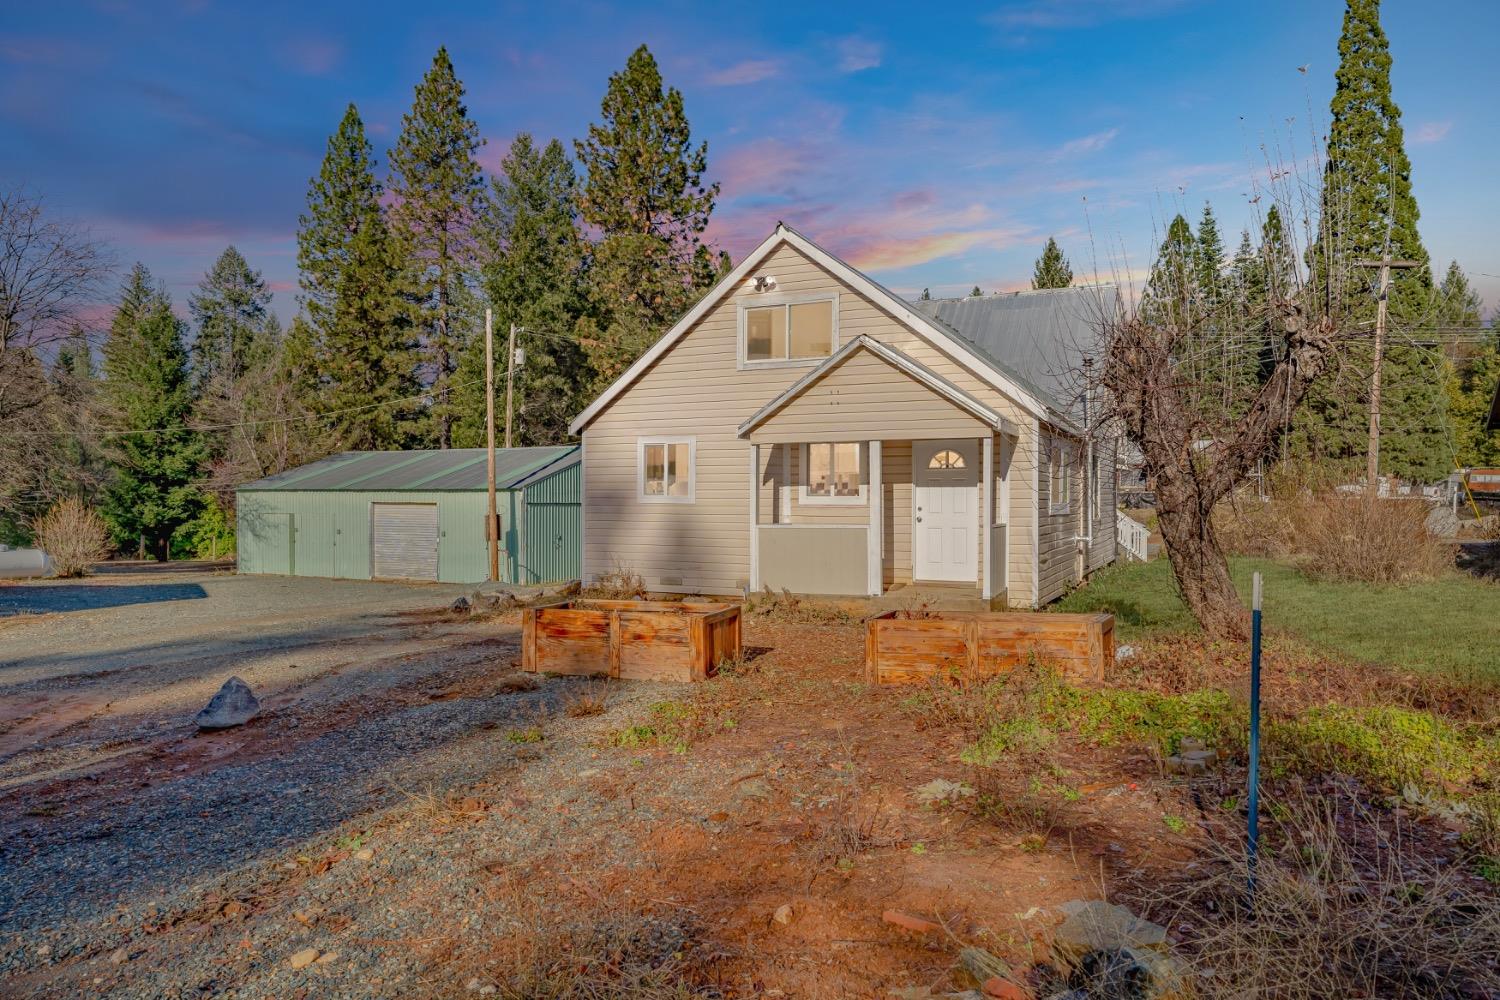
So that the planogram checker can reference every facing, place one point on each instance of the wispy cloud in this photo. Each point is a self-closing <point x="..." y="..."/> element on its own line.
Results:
<point x="741" y="73"/>
<point x="765" y="166"/>
<point x="1064" y="14"/>
<point x="1085" y="144"/>
<point x="1431" y="132"/>
<point x="857" y="53"/>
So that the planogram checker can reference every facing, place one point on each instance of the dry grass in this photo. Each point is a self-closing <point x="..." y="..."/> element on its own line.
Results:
<point x="585" y="702"/>
<point x="73" y="536"/>
<point x="593" y="948"/>
<point x="446" y="806"/>
<point x="1335" y="535"/>
<point x="790" y="609"/>
<point x="1346" y="905"/>
<point x="619" y="584"/>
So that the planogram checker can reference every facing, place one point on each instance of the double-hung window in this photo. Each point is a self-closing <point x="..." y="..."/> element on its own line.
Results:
<point x="789" y="331"/>
<point x="665" y="468"/>
<point x="1061" y="480"/>
<point x="831" y="473"/>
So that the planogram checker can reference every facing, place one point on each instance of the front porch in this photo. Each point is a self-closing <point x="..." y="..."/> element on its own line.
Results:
<point x="872" y="476"/>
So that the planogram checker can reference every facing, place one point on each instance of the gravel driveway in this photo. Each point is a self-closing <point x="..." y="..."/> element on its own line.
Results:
<point x="107" y="787"/>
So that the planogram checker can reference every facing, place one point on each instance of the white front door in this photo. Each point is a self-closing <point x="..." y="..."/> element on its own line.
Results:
<point x="945" y="510"/>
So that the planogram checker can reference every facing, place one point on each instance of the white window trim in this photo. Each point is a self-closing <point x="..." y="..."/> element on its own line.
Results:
<point x="640" y="469"/>
<point x="786" y="300"/>
<point x="1063" y="455"/>
<point x="812" y="499"/>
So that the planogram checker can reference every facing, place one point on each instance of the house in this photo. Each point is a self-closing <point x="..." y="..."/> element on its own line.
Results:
<point x="802" y="427"/>
<point x="415" y="515"/>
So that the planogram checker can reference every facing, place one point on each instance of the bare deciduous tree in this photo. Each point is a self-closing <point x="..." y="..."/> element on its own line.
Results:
<point x="1202" y="435"/>
<point x="48" y="268"/>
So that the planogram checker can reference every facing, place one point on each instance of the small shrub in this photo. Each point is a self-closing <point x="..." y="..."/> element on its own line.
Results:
<point x="73" y="536"/>
<point x="788" y="607"/>
<point x="586" y="702"/>
<point x="619" y="584"/>
<point x="1335" y="535"/>
<point x="531" y="734"/>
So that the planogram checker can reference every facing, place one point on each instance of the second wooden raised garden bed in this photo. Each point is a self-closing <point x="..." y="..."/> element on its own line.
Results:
<point x="634" y="640"/>
<point x="904" y="649"/>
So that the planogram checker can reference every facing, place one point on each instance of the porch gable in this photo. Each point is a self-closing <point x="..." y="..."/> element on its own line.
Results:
<point x="869" y="391"/>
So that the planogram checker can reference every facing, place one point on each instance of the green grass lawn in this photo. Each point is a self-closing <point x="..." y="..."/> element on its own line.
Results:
<point x="1451" y="625"/>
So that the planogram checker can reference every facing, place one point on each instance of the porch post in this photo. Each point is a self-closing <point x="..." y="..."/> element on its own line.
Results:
<point x="987" y="515"/>
<point x="754" y="518"/>
<point x="873" y="558"/>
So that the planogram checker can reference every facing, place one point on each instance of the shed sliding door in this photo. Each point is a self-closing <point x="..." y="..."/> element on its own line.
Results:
<point x="404" y="541"/>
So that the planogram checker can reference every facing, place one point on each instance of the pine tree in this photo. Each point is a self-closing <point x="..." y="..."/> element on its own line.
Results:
<point x="1473" y="369"/>
<point x="352" y="279"/>
<point x="230" y="308"/>
<point x="975" y="293"/>
<point x="1171" y="292"/>
<point x="1052" y="269"/>
<point x="926" y="295"/>
<point x="438" y="194"/>
<point x="645" y="195"/>
<point x="148" y="389"/>
<point x="1208" y="254"/>
<point x="1368" y="210"/>
<point x="532" y="277"/>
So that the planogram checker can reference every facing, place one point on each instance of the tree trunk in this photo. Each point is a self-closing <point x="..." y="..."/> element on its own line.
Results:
<point x="1202" y="572"/>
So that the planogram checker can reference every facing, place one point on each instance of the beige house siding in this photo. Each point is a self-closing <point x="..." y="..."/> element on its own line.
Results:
<point x="1102" y="550"/>
<point x="866" y="398"/>
<point x="1058" y="564"/>
<point x="697" y="389"/>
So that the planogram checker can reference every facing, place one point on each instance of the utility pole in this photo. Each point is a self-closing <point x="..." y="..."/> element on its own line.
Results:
<point x="1382" y="312"/>
<point x="492" y="529"/>
<point x="510" y="379"/>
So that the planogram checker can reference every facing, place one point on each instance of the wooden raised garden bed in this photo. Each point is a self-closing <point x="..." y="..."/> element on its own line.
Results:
<point x="978" y="644"/>
<point x="635" y="640"/>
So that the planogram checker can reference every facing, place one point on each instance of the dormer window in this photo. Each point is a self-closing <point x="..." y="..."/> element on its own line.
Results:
<point x="788" y="331"/>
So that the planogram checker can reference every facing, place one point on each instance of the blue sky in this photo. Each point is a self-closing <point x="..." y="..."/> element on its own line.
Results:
<point x="937" y="149"/>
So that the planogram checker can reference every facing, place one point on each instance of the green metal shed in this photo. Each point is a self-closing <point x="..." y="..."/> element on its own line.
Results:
<point x="416" y="515"/>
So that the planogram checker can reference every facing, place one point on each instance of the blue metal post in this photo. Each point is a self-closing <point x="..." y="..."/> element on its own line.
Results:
<point x="1254" y="803"/>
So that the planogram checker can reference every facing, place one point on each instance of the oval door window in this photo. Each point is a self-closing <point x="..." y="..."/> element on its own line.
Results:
<point x="946" y="459"/>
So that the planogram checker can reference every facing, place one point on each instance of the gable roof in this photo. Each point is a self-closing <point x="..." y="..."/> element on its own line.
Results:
<point x="915" y="369"/>
<point x="993" y="371"/>
<point x="461" y="469"/>
<point x="1043" y="336"/>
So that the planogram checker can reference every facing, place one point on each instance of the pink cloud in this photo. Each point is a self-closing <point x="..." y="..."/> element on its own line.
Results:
<point x="749" y="71"/>
<point x="757" y="167"/>
<point x="312" y="56"/>
<point x="1429" y="132"/>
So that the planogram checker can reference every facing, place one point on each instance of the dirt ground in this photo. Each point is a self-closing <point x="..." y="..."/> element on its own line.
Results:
<point x="425" y="825"/>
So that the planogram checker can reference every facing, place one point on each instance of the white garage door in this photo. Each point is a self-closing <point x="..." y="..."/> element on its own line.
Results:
<point x="404" y="541"/>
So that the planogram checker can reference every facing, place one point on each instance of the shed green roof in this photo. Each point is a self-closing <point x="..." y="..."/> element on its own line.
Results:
<point x="460" y="469"/>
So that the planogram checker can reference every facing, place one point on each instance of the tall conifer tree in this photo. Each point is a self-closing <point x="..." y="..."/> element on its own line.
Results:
<point x="1368" y="210"/>
<point x="532" y="276"/>
<point x="230" y="308"/>
<point x="1052" y="269"/>
<point x="438" y="198"/>
<point x="645" y="194"/>
<point x="1208" y="252"/>
<point x="352" y="279"/>
<point x="148" y="390"/>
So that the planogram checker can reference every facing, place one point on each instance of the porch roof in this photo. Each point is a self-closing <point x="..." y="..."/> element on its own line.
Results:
<point x="868" y="390"/>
